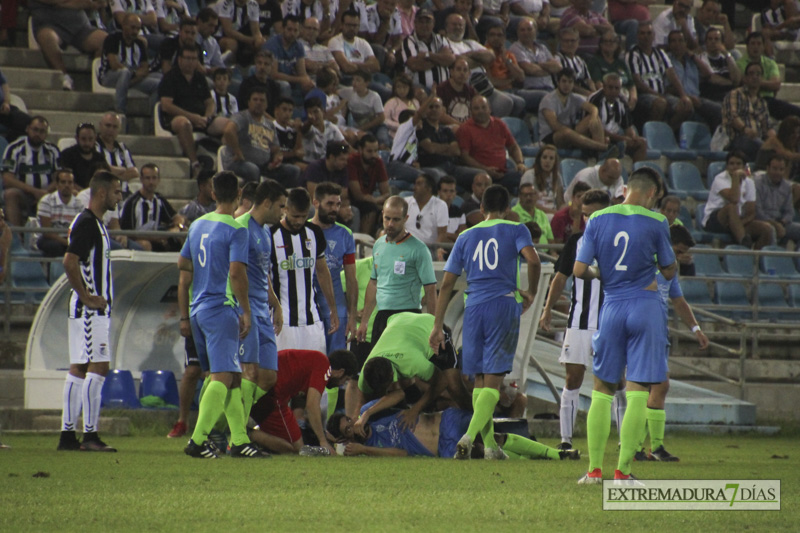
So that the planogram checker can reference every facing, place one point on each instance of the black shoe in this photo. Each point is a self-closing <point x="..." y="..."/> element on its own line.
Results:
<point x="249" y="450"/>
<point x="68" y="442"/>
<point x="573" y="455"/>
<point x="95" y="445"/>
<point x="564" y="446"/>
<point x="201" y="451"/>
<point x="641" y="456"/>
<point x="660" y="454"/>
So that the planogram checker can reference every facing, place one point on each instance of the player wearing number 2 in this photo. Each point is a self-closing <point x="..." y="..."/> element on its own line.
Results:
<point x="630" y="243"/>
<point x="489" y="253"/>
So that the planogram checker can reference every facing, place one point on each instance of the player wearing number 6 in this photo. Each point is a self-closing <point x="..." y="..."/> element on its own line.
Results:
<point x="625" y="239"/>
<point x="489" y="253"/>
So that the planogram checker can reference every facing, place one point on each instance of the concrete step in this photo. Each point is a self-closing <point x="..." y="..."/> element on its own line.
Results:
<point x="56" y="100"/>
<point x="790" y="92"/>
<point x="20" y="78"/>
<point x="178" y="188"/>
<point x="139" y="145"/>
<point x="65" y="121"/>
<point x="118" y="426"/>
<point x="171" y="167"/>
<point x="23" y="57"/>
<point x="178" y="203"/>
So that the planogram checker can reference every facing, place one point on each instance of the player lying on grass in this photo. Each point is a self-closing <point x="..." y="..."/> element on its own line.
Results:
<point x="386" y="435"/>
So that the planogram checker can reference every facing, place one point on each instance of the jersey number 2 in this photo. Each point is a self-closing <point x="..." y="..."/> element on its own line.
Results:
<point x="620" y="236"/>
<point x="482" y="254"/>
<point x="202" y="257"/>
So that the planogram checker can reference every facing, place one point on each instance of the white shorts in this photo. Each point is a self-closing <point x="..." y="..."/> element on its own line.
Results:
<point x="310" y="337"/>
<point x="577" y="348"/>
<point x="88" y="340"/>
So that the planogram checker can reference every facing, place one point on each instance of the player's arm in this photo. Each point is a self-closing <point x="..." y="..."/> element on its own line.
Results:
<point x="355" y="448"/>
<point x="325" y="282"/>
<point x="586" y="272"/>
<point x="394" y="396"/>
<point x="186" y="275"/>
<point x="669" y="271"/>
<point x="366" y="312"/>
<point x="238" y="274"/>
<point x="534" y="273"/>
<point x="684" y="312"/>
<point x="430" y="297"/>
<point x="315" y="418"/>
<point x="437" y="335"/>
<point x="351" y="295"/>
<point x="556" y="288"/>
<point x="275" y="304"/>
<point x="436" y="386"/>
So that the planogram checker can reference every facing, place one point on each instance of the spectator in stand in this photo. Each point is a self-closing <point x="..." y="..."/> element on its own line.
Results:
<point x="745" y="114"/>
<point x="116" y="154"/>
<point x="456" y="94"/>
<point x="241" y="34"/>
<point x="148" y="210"/>
<point x="262" y="76"/>
<point x="437" y="147"/>
<point x="317" y="55"/>
<point x="169" y="14"/>
<point x="527" y="211"/>
<point x="29" y="164"/>
<point x="207" y="22"/>
<point x="366" y="108"/>
<point x="709" y="17"/>
<point x="690" y="69"/>
<point x="724" y="73"/>
<point x="456" y="221"/>
<point x="545" y="176"/>
<point x="465" y="9"/>
<point x="472" y="205"/>
<point x="317" y="132"/>
<point x="187" y="106"/>
<point x="567" y="120"/>
<point x="57" y="210"/>
<point x="770" y="77"/>
<point x="608" y="59"/>
<point x="590" y="24"/>
<point x="382" y="27"/>
<point x="407" y="10"/>
<point x="225" y="103"/>
<point x="124" y="64"/>
<point x="270" y="16"/>
<point x="329" y="168"/>
<point x="504" y="73"/>
<point x="204" y="201"/>
<point x="780" y="21"/>
<point x="785" y="143"/>
<point x="11" y="117"/>
<point x="427" y="215"/>
<point x="402" y="99"/>
<point x="350" y="51"/>
<point x="671" y="208"/>
<point x="615" y="116"/>
<point x="652" y="72"/>
<point x="290" y="63"/>
<point x="168" y="51"/>
<point x="536" y="61"/>
<point x="606" y="176"/>
<point x="569" y="219"/>
<point x="403" y="165"/>
<point x="425" y="55"/>
<point x="251" y="145"/>
<point x="333" y="107"/>
<point x="82" y="157"/>
<point x="626" y="15"/>
<point x="774" y="201"/>
<point x="367" y="174"/>
<point x="56" y="26"/>
<point x="567" y="56"/>
<point x="146" y="11"/>
<point x="538" y="10"/>
<point x="324" y="11"/>
<point x="287" y="132"/>
<point x="483" y="140"/>
<point x="731" y="206"/>
<point x="677" y="17"/>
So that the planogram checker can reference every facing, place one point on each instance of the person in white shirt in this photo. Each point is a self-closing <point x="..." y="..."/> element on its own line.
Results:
<point x="676" y="17"/>
<point x="57" y="210"/>
<point x="427" y="215"/>
<point x="607" y="177"/>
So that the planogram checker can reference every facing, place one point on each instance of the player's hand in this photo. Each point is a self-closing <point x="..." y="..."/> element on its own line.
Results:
<point x="186" y="329"/>
<point x="358" y="427"/>
<point x="334" y="322"/>
<point x="350" y="329"/>
<point x="330" y="448"/>
<point x="92" y="301"/>
<point x="361" y="332"/>
<point x="408" y="419"/>
<point x="277" y="319"/>
<point x="527" y="299"/>
<point x="354" y="448"/>
<point x="702" y="340"/>
<point x="544" y="321"/>
<point x="436" y="340"/>
<point x="244" y="325"/>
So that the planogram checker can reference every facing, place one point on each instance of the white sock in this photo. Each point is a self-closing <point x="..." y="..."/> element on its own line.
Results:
<point x="569" y="411"/>
<point x="71" y="405"/>
<point x="92" y="390"/>
<point x="619" y="405"/>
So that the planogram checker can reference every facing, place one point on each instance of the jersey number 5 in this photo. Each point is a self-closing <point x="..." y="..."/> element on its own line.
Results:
<point x="482" y="254"/>
<point x="622" y="235"/>
<point x="202" y="257"/>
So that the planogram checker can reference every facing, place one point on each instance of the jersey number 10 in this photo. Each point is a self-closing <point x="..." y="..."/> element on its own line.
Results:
<point x="482" y="253"/>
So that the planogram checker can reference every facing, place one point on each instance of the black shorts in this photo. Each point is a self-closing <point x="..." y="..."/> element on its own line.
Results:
<point x="713" y="224"/>
<point x="448" y="357"/>
<point x="191" y="352"/>
<point x="381" y="317"/>
<point x="361" y="351"/>
<point x="366" y="207"/>
<point x="71" y="25"/>
<point x="548" y="139"/>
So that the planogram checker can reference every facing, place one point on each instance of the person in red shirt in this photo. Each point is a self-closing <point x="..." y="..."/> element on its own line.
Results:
<point x="301" y="371"/>
<point x="483" y="140"/>
<point x="366" y="172"/>
<point x="569" y="219"/>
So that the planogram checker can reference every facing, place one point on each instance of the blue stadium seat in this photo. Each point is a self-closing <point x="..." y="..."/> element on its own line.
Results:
<point x="529" y="161"/>
<point x="660" y="138"/>
<point x="522" y="135"/>
<point x="56" y="269"/>
<point x="771" y="295"/>
<point x="703" y="236"/>
<point x="794" y="294"/>
<point x="650" y="164"/>
<point x="731" y="293"/>
<point x="698" y="138"/>
<point x="781" y="267"/>
<point x="738" y="265"/>
<point x="119" y="391"/>
<point x="159" y="383"/>
<point x="687" y="181"/>
<point x="696" y="292"/>
<point x="570" y="167"/>
<point x="707" y="264"/>
<point x="25" y="275"/>
<point x="685" y="216"/>
<point x="713" y="169"/>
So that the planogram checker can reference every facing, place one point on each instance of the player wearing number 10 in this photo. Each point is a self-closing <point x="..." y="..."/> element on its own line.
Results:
<point x="489" y="253"/>
<point x="624" y="239"/>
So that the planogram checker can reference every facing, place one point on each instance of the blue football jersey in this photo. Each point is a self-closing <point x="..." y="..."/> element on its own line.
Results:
<point x="214" y="242"/>
<point x="668" y="289"/>
<point x="489" y="253"/>
<point x="340" y="243"/>
<point x="627" y="241"/>
<point x="258" y="265"/>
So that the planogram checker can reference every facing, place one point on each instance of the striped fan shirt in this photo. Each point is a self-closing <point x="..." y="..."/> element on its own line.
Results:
<point x="412" y="47"/>
<point x="614" y="116"/>
<point x="652" y="67"/>
<point x="148" y="215"/>
<point x="294" y="261"/>
<point x="226" y="104"/>
<point x="130" y="55"/>
<point x="117" y="156"/>
<point x="34" y="166"/>
<point x="89" y="240"/>
<point x="578" y="66"/>
<point x="140" y="7"/>
<point x="587" y="296"/>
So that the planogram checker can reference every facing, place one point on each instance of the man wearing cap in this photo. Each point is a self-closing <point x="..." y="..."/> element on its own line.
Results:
<point x="426" y="56"/>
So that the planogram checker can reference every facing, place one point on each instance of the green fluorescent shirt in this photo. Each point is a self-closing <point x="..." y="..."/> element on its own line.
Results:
<point x="540" y="217"/>
<point x="401" y="270"/>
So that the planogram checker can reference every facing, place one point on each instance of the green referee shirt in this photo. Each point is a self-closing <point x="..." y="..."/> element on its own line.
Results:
<point x="540" y="217"/>
<point x="401" y="269"/>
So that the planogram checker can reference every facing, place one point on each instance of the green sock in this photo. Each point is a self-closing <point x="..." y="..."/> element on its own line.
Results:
<point x="632" y="424"/>
<point x="234" y="412"/>
<point x="528" y="448"/>
<point x="487" y="433"/>
<point x="642" y="438"/>
<point x="248" y="396"/>
<point x="598" y="427"/>
<point x="212" y="405"/>
<point x="333" y="398"/>
<point x="259" y="394"/>
<point x="206" y="381"/>
<point x="476" y="392"/>
<point x="484" y="408"/>
<point x="656" y="419"/>
<point x="512" y="455"/>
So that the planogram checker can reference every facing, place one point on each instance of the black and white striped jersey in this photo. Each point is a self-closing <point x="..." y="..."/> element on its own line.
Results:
<point x="578" y="66"/>
<point x="614" y="115"/>
<point x="293" y="269"/>
<point x="131" y="56"/>
<point x="33" y="165"/>
<point x="587" y="296"/>
<point x="413" y="47"/>
<point x="652" y="67"/>
<point x="118" y="156"/>
<point x="89" y="240"/>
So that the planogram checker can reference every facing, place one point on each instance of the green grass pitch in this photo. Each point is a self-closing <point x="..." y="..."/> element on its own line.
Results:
<point x="151" y="486"/>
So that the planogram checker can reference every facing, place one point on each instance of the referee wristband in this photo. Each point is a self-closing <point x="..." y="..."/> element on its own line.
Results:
<point x="695" y="328"/>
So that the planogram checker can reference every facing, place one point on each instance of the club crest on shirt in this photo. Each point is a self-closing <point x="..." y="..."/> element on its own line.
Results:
<point x="331" y="245"/>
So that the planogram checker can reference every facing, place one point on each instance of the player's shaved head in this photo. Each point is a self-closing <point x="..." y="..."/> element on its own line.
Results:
<point x="396" y="202"/>
<point x="226" y="187"/>
<point x="644" y="180"/>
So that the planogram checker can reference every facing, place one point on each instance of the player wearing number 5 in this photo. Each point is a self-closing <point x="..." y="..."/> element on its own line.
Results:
<point x="213" y="262"/>
<point x="630" y="243"/>
<point x="489" y="253"/>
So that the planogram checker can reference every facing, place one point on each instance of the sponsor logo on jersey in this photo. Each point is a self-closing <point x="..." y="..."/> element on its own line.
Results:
<point x="293" y="262"/>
